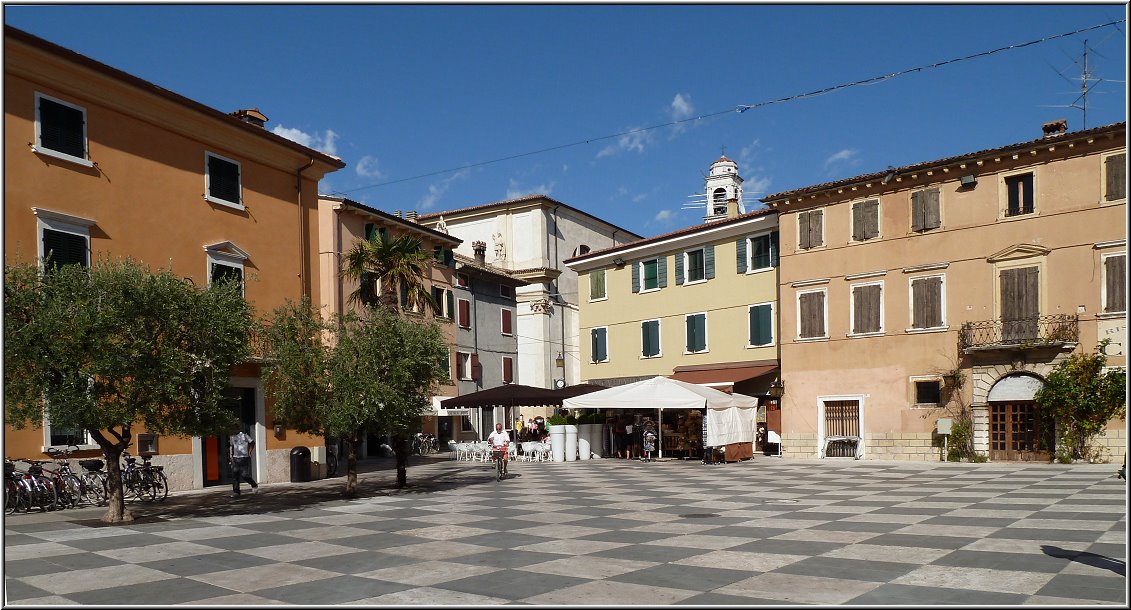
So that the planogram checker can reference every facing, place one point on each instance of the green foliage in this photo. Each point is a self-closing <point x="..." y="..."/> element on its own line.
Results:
<point x="116" y="346"/>
<point x="397" y="263"/>
<point x="557" y="420"/>
<point x="353" y="374"/>
<point x="1081" y="398"/>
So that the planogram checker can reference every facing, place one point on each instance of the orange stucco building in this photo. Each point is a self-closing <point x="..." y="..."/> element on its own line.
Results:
<point x="996" y="264"/>
<point x="100" y="164"/>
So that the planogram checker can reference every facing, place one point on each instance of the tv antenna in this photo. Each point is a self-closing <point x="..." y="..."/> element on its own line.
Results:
<point x="1088" y="81"/>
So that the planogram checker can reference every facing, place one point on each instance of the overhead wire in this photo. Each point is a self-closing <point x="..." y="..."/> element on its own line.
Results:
<point x="741" y="108"/>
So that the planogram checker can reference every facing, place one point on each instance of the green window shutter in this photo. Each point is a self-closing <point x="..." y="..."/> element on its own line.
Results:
<point x="370" y="231"/>
<point x="404" y="294"/>
<point x="774" y="249"/>
<point x="679" y="268"/>
<point x="662" y="271"/>
<point x="691" y="343"/>
<point x="61" y="248"/>
<point x="709" y="261"/>
<point x="761" y="331"/>
<point x="696" y="333"/>
<point x="740" y="249"/>
<point x="650" y="338"/>
<point x="600" y="351"/>
<point x="383" y="233"/>
<point x="636" y="277"/>
<point x="451" y="304"/>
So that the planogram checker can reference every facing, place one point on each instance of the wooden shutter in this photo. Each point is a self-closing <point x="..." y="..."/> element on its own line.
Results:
<point x="476" y="368"/>
<point x="1019" y="303"/>
<point x="926" y="301"/>
<point x="1116" y="267"/>
<point x="774" y="249"/>
<point x="803" y="231"/>
<point x="60" y="248"/>
<point x="438" y="297"/>
<point x="858" y="231"/>
<point x="740" y="248"/>
<point x="464" y="313"/>
<point x="597" y="284"/>
<point x="679" y="268"/>
<point x="931" y="209"/>
<point x="461" y="373"/>
<point x="61" y="128"/>
<point x="871" y="210"/>
<point x="761" y="333"/>
<point x="709" y="261"/>
<point x="812" y="305"/>
<point x="1116" y="173"/>
<point x="816" y="226"/>
<point x="223" y="179"/>
<point x="451" y="304"/>
<point x="866" y="309"/>
<point x="918" y="211"/>
<point x="696" y="333"/>
<point x="508" y="369"/>
<point x="662" y="272"/>
<point x="636" y="277"/>
<point x="507" y="330"/>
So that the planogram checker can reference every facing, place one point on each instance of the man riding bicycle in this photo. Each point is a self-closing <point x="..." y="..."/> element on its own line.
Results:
<point x="500" y="441"/>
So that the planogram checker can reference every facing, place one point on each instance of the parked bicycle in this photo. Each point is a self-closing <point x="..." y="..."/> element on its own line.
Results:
<point x="137" y="480"/>
<point x="95" y="481"/>
<point x="331" y="461"/>
<point x="30" y="487"/>
<point x="424" y="443"/>
<point x="71" y="488"/>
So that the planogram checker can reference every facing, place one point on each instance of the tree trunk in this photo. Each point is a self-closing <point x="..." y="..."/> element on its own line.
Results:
<point x="116" y="499"/>
<point x="352" y="441"/>
<point x="400" y="448"/>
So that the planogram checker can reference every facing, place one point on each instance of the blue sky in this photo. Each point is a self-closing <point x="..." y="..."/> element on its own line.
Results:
<point x="405" y="91"/>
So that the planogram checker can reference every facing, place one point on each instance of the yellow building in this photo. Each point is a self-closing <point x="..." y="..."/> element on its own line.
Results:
<point x="101" y="164"/>
<point x="698" y="304"/>
<point x="995" y="265"/>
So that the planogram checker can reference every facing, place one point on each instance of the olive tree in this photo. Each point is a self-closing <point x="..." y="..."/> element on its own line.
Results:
<point x="354" y="374"/>
<point x="115" y="347"/>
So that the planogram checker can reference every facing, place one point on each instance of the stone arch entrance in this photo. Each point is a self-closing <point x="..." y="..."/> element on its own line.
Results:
<point x="1016" y="432"/>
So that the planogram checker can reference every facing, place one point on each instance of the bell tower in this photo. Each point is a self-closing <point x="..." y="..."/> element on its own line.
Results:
<point x="723" y="187"/>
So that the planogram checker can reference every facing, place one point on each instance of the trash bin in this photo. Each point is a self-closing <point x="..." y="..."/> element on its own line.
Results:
<point x="300" y="465"/>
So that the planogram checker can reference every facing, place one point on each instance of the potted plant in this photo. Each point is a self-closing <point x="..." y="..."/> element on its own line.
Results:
<point x="557" y="425"/>
<point x="570" y="437"/>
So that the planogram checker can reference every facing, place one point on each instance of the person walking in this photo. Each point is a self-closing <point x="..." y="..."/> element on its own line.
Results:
<point x="239" y="453"/>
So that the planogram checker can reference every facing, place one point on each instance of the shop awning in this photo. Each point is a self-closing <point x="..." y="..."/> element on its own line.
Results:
<point x="510" y="395"/>
<point x="722" y="375"/>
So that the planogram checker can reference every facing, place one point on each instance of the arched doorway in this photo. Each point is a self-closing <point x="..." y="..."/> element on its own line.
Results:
<point x="1016" y="433"/>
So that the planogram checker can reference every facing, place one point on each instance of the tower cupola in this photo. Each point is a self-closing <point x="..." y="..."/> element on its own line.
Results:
<point x="723" y="188"/>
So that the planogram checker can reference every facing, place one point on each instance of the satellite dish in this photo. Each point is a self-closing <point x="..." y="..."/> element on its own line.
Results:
<point x="559" y="384"/>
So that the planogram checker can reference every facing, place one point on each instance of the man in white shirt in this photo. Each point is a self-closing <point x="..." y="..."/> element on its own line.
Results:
<point x="499" y="441"/>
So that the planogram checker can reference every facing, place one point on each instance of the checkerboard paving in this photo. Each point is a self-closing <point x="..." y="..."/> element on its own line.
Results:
<point x="767" y="531"/>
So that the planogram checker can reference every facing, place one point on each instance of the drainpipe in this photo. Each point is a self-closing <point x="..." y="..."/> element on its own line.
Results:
<point x="561" y="301"/>
<point x="301" y="232"/>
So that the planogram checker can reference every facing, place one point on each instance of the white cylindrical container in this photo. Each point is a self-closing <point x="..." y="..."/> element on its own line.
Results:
<point x="570" y="442"/>
<point x="557" y="442"/>
<point x="584" y="441"/>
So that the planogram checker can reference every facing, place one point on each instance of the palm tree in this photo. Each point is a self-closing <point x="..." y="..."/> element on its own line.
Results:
<point x="389" y="264"/>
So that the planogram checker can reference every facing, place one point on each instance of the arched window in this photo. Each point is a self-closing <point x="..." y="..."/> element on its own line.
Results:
<point x="719" y="201"/>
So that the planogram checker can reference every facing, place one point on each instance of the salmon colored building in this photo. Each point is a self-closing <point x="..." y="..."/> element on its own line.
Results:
<point x="989" y="267"/>
<point x="342" y="223"/>
<point x="100" y="164"/>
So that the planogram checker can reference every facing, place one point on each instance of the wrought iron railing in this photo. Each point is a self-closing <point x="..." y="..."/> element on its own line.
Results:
<point x="1027" y="332"/>
<point x="258" y="345"/>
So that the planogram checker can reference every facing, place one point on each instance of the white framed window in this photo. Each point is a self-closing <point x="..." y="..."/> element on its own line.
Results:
<point x="506" y="321"/>
<point x="58" y="436"/>
<point x="650" y="275"/>
<point x="866" y="307"/>
<point x="694" y="266"/>
<point x="463" y="313"/>
<point x="810" y="229"/>
<point x="1114" y="288"/>
<point x="1018" y="194"/>
<point x="760" y="325"/>
<point x="927" y="302"/>
<point x="222" y="181"/>
<point x="463" y="366"/>
<point x="598" y="291"/>
<point x="506" y="291"/>
<point x="696" y="333"/>
<point x="650" y="339"/>
<point x="63" y="238"/>
<point x="60" y="130"/>
<point x="463" y="281"/>
<point x="599" y="344"/>
<point x="761" y="253"/>
<point x="1114" y="177"/>
<point x="865" y="220"/>
<point x="925" y="210"/>
<point x="225" y="262"/>
<point x="926" y="391"/>
<point x="445" y="302"/>
<point x="812" y="314"/>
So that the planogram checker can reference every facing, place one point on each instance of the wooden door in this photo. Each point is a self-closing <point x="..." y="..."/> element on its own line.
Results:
<point x="1016" y="434"/>
<point x="217" y="471"/>
<point x="842" y="418"/>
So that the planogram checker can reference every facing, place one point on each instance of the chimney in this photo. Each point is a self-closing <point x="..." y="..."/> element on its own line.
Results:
<point x="732" y="208"/>
<point x="1055" y="128"/>
<point x="251" y="115"/>
<point x="411" y="215"/>
<point x="397" y="213"/>
<point x="480" y="248"/>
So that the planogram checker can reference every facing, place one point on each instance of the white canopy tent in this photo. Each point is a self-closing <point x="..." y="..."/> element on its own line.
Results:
<point x="730" y="417"/>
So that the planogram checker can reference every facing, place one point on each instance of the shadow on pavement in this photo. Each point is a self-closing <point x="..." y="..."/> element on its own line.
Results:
<point x="1086" y="558"/>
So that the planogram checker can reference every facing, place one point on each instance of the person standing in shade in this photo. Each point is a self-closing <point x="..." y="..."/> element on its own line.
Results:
<point x="239" y="452"/>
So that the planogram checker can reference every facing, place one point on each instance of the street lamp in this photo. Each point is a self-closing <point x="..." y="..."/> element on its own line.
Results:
<point x="777" y="388"/>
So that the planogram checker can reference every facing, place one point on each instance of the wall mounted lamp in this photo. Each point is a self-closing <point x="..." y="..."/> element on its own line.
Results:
<point x="618" y="261"/>
<point x="968" y="181"/>
<point x="560" y="360"/>
<point x="777" y="388"/>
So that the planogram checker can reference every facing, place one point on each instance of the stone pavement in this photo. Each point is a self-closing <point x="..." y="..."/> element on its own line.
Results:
<point x="769" y="531"/>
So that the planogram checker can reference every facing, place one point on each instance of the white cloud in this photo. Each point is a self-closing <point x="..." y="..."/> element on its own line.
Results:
<point x="437" y="190"/>
<point x="633" y="140"/>
<point x="746" y="154"/>
<point x="367" y="168"/>
<point x="663" y="216"/>
<point x="679" y="110"/>
<point x="515" y="190"/>
<point x="847" y="156"/>
<point x="757" y="186"/>
<point x="565" y="168"/>
<point x="323" y="142"/>
<point x="640" y="197"/>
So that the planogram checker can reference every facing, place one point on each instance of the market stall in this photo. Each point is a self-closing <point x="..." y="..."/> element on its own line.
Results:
<point x="732" y="427"/>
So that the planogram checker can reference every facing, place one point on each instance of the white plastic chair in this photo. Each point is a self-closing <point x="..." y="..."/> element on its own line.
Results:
<point x="527" y="452"/>
<point x="452" y="448"/>
<point x="512" y="452"/>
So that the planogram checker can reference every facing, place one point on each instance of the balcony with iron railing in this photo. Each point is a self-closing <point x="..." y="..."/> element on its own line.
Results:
<point x="1043" y="331"/>
<point x="258" y="346"/>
